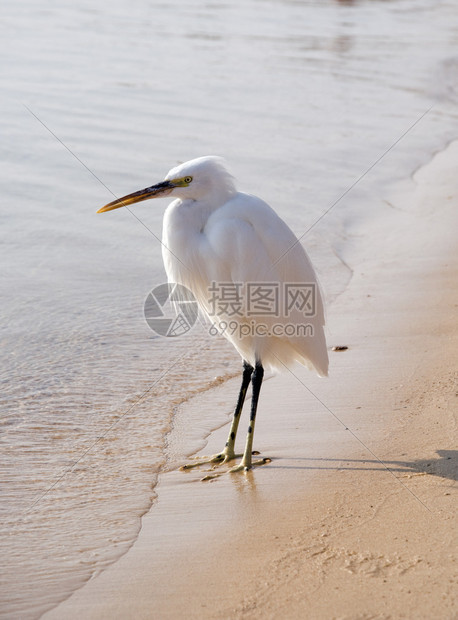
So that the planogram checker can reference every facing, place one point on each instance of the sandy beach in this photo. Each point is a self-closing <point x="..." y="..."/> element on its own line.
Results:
<point x="324" y="110"/>
<point x="355" y="517"/>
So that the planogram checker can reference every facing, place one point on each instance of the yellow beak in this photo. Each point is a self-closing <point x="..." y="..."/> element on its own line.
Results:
<point x="155" y="191"/>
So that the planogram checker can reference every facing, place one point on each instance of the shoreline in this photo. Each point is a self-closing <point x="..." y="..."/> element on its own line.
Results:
<point x="325" y="530"/>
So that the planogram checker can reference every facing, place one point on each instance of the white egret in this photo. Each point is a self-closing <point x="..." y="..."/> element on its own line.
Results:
<point x="249" y="274"/>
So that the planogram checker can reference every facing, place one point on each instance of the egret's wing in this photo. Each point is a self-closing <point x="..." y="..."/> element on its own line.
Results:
<point x="252" y="245"/>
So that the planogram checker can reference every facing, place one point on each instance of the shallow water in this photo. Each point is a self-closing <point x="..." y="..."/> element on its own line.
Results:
<point x="300" y="97"/>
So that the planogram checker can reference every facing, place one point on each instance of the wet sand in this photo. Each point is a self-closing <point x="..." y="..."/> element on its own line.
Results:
<point x="355" y="517"/>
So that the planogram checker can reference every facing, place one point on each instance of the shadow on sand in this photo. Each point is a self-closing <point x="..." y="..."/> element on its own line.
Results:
<point x="446" y="466"/>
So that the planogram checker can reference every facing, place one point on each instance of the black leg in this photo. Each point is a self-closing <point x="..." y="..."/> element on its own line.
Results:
<point x="228" y="452"/>
<point x="255" y="375"/>
<point x="256" y="381"/>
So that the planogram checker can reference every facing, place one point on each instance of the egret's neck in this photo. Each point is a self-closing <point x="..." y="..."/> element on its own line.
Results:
<point x="192" y="214"/>
<point x="186" y="216"/>
<point x="184" y="222"/>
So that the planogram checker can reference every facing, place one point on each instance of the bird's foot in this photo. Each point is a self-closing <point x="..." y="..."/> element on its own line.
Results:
<point x="223" y="458"/>
<point x="215" y="460"/>
<point x="247" y="465"/>
<point x="243" y="466"/>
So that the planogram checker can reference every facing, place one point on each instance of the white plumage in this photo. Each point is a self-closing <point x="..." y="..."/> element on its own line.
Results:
<point x="212" y="233"/>
<point x="214" y="236"/>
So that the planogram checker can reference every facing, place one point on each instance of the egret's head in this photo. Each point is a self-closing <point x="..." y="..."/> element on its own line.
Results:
<point x="205" y="177"/>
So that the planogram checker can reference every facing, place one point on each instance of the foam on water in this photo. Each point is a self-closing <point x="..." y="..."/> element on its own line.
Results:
<point x="300" y="97"/>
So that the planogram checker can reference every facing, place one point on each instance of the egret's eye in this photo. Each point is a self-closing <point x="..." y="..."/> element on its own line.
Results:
<point x="187" y="179"/>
